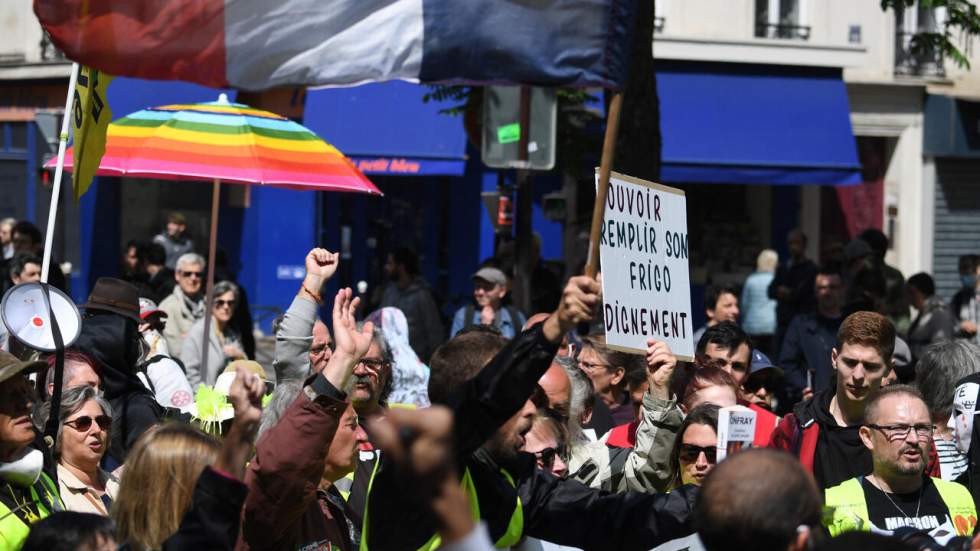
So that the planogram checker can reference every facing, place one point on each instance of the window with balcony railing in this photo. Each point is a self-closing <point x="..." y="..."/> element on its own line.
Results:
<point x="912" y="58"/>
<point x="781" y="19"/>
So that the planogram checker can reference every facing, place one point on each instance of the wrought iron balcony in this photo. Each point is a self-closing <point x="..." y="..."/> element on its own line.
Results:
<point x="921" y="61"/>
<point x="782" y="31"/>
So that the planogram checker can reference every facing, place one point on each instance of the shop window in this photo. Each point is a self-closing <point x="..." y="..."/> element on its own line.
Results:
<point x="781" y="19"/>
<point x="912" y="59"/>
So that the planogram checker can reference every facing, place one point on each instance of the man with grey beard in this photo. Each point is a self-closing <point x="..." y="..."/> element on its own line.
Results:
<point x="897" y="430"/>
<point x="369" y="387"/>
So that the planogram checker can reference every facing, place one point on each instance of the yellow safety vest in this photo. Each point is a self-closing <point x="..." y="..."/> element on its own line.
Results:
<point x="13" y="530"/>
<point x="850" y="509"/>
<point x="515" y="528"/>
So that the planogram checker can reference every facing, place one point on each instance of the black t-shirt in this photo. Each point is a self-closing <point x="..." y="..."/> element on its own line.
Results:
<point x="886" y="515"/>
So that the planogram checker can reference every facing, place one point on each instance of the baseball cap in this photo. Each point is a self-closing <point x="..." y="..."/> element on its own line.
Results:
<point x="491" y="274"/>
<point x="148" y="308"/>
<point x="761" y="362"/>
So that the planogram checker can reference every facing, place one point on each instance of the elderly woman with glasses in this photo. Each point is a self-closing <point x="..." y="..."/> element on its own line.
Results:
<point x="83" y="438"/>
<point x="224" y="343"/>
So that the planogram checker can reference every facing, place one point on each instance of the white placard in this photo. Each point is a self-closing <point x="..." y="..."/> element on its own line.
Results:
<point x="736" y="430"/>
<point x="646" y="284"/>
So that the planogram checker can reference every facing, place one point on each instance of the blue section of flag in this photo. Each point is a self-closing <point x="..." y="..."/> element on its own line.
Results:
<point x="538" y="42"/>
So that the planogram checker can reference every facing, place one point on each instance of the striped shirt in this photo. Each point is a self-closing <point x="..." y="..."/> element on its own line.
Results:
<point x="952" y="463"/>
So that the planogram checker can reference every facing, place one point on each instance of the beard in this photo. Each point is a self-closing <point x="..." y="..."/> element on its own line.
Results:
<point x="912" y="468"/>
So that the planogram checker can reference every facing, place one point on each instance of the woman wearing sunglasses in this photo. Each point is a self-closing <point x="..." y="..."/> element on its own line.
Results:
<point x="224" y="343"/>
<point x="83" y="438"/>
<point x="694" y="452"/>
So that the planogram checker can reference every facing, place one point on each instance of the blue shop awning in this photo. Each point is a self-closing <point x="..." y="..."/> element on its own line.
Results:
<point x="387" y="129"/>
<point x="128" y="95"/>
<point x="752" y="124"/>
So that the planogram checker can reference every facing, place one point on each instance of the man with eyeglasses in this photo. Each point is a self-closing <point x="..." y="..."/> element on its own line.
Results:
<point x="185" y="305"/>
<point x="897" y="431"/>
<point x="823" y="432"/>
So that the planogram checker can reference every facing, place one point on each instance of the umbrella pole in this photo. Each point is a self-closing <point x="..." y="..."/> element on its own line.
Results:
<point x="209" y="295"/>
<point x="58" y="172"/>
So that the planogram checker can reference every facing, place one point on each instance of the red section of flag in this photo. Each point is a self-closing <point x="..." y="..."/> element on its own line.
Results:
<point x="156" y="39"/>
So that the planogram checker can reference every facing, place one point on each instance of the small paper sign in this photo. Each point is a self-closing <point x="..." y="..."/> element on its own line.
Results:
<point x="736" y="430"/>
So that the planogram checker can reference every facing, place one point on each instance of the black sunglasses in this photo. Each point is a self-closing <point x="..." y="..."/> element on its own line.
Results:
<point x="83" y="423"/>
<point x="547" y="456"/>
<point x="690" y="453"/>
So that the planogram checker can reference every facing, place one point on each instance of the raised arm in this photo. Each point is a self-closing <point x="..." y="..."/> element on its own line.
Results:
<point x="647" y="468"/>
<point x="285" y="473"/>
<point x="291" y="359"/>
<point x="484" y="403"/>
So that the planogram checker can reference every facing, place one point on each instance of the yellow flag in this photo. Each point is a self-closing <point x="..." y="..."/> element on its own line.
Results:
<point x="90" y="119"/>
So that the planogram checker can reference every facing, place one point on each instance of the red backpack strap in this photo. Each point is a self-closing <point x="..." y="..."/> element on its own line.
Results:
<point x="808" y="445"/>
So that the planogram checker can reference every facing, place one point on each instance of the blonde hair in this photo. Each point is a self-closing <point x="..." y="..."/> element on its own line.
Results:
<point x="767" y="261"/>
<point x="156" y="490"/>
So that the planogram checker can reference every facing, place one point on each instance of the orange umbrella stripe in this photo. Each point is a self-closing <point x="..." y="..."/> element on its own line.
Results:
<point x="232" y="152"/>
<point x="194" y="139"/>
<point x="230" y="110"/>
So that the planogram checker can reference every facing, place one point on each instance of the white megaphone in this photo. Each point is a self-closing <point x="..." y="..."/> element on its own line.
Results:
<point x="25" y="314"/>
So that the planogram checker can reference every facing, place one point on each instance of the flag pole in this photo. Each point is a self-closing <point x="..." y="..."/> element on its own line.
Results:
<point x="209" y="290"/>
<point x="58" y="171"/>
<point x="605" y="167"/>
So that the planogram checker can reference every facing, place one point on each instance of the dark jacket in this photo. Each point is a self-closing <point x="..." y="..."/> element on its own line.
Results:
<point x="112" y="341"/>
<point x="285" y="508"/>
<point x="563" y="511"/>
<point x="933" y="323"/>
<point x="425" y="330"/>
<point x="807" y="346"/>
<point x="808" y="426"/>
<point x="800" y="279"/>
<point x="214" y="517"/>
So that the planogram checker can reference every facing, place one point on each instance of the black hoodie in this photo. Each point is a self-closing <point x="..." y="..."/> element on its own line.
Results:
<point x="840" y="455"/>
<point x="113" y="342"/>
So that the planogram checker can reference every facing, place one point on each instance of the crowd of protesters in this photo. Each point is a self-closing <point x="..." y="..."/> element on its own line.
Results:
<point x="492" y="428"/>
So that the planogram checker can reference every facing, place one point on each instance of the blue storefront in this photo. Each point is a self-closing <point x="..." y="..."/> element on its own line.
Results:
<point x="418" y="157"/>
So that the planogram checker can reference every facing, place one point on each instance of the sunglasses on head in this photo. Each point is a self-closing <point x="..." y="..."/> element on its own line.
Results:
<point x="690" y="453"/>
<point x="83" y="423"/>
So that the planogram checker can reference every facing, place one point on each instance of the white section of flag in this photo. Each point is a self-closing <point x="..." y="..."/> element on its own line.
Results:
<point x="380" y="40"/>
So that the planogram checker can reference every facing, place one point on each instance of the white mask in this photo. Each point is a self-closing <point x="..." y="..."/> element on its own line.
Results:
<point x="964" y="408"/>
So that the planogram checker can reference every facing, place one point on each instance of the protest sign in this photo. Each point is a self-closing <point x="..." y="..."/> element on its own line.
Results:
<point x="643" y="250"/>
<point x="736" y="430"/>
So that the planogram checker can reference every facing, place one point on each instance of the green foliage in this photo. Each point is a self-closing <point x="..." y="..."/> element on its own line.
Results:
<point x="962" y="19"/>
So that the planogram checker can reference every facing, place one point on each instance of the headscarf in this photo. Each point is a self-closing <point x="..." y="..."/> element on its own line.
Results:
<point x="410" y="377"/>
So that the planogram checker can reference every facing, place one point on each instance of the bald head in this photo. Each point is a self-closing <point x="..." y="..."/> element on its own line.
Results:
<point x="557" y="386"/>
<point x="756" y="499"/>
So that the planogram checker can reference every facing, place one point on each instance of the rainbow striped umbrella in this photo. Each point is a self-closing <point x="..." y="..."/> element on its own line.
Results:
<point x="225" y="141"/>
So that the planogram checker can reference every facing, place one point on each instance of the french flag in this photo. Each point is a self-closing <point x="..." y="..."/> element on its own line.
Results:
<point x="259" y="44"/>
